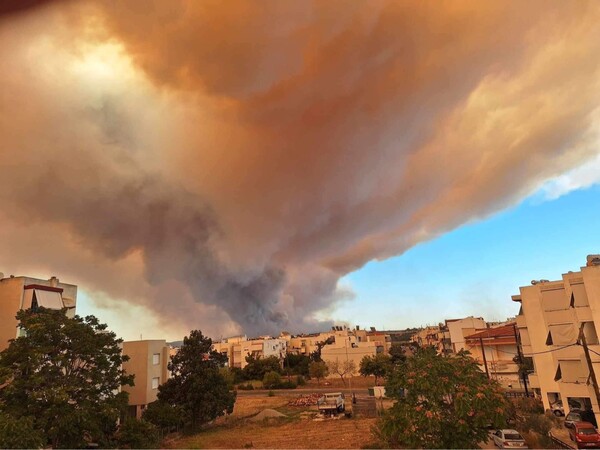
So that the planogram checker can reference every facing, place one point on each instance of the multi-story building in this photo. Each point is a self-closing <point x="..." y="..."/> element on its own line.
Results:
<point x="555" y="319"/>
<point x="499" y="345"/>
<point x="348" y="350"/>
<point x="459" y="329"/>
<point x="433" y="336"/>
<point x="18" y="293"/>
<point x="239" y="347"/>
<point x="148" y="361"/>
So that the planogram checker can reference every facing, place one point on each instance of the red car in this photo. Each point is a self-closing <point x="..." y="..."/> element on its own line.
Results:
<point x="584" y="435"/>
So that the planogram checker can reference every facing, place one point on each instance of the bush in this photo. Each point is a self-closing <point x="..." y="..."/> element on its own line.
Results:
<point x="246" y="387"/>
<point x="272" y="380"/>
<point x="135" y="433"/>
<point x="164" y="416"/>
<point x="286" y="385"/>
<point x="271" y="394"/>
<point x="300" y="381"/>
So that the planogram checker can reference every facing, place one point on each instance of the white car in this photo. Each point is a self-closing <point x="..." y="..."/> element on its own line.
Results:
<point x="508" y="439"/>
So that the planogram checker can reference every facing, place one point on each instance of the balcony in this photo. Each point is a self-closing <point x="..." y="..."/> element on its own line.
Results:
<point x="534" y="381"/>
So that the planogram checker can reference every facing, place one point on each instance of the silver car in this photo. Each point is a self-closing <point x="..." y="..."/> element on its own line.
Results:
<point x="508" y="439"/>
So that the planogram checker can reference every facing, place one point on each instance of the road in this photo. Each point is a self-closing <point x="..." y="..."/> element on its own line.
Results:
<point x="297" y="392"/>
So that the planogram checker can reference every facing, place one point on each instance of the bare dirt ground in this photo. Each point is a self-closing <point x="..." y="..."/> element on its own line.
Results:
<point x="298" y="430"/>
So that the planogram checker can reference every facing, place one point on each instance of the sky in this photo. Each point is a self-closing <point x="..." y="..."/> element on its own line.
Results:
<point x="237" y="169"/>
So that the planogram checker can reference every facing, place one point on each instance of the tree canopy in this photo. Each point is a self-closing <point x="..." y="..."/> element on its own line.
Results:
<point x="318" y="370"/>
<point x="197" y="387"/>
<point x="257" y="367"/>
<point x="62" y="379"/>
<point x="377" y="365"/>
<point x="440" y="402"/>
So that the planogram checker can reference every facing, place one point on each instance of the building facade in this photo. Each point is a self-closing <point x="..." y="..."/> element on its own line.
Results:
<point x="556" y="317"/>
<point x="499" y="345"/>
<point x="148" y="360"/>
<point x="18" y="293"/>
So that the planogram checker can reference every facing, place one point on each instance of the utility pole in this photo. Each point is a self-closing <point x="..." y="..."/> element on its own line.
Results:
<point x="589" y="363"/>
<point x="521" y="358"/>
<point x="484" y="358"/>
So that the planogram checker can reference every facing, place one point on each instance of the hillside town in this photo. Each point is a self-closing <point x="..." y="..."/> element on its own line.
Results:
<point x="549" y="351"/>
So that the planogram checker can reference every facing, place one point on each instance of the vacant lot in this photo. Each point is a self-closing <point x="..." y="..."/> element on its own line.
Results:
<point x="298" y="430"/>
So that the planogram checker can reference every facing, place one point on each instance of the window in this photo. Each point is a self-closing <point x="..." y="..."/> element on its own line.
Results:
<point x="589" y="330"/>
<point x="155" y="382"/>
<point x="156" y="359"/>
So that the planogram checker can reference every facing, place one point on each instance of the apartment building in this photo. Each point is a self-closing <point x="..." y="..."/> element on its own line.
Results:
<point x="459" y="329"/>
<point x="237" y="348"/>
<point x="554" y="319"/>
<point x="18" y="293"/>
<point x="499" y="345"/>
<point x="348" y="350"/>
<point x="148" y="361"/>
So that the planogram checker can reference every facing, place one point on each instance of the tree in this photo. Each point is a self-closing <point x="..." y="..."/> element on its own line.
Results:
<point x="197" y="386"/>
<point x="19" y="433"/>
<point x="318" y="370"/>
<point x="440" y="402"/>
<point x="316" y="355"/>
<point x="397" y="354"/>
<point x="63" y="374"/>
<point x="342" y="368"/>
<point x="297" y="364"/>
<point x="257" y="367"/>
<point x="377" y="365"/>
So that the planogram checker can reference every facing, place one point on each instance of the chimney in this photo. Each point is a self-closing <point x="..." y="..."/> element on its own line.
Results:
<point x="53" y="281"/>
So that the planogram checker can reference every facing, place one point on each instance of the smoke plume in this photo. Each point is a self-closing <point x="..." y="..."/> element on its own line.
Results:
<point x="223" y="164"/>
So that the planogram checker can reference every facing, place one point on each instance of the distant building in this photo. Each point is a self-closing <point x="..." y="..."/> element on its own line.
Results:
<point x="18" y="293"/>
<point x="459" y="329"/>
<point x="148" y="361"/>
<point x="500" y="347"/>
<point x="237" y="348"/>
<point x="552" y="318"/>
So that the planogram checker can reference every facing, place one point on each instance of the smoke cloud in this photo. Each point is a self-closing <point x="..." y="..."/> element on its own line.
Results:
<point x="224" y="164"/>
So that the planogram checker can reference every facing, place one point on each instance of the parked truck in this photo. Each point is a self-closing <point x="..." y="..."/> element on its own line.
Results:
<point x="332" y="403"/>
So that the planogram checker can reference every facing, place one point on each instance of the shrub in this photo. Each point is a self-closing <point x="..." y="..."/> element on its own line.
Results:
<point x="271" y="394"/>
<point x="135" y="433"/>
<point x="272" y="380"/>
<point x="300" y="381"/>
<point x="246" y="387"/>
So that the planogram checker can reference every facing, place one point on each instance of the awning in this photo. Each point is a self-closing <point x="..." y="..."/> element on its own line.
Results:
<point x="554" y="299"/>
<point x="48" y="299"/>
<point x="563" y="334"/>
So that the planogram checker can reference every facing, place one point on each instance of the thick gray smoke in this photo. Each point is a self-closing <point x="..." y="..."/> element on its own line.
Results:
<point x="224" y="165"/>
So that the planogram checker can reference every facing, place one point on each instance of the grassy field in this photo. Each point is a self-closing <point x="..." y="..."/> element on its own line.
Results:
<point x="300" y="429"/>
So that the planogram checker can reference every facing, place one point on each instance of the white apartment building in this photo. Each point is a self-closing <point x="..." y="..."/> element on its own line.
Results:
<point x="552" y="316"/>
<point x="18" y="293"/>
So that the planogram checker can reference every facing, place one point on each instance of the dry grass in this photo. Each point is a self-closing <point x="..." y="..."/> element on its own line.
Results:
<point x="298" y="430"/>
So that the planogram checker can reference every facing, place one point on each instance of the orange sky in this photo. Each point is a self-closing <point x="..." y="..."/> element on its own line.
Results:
<point x="222" y="164"/>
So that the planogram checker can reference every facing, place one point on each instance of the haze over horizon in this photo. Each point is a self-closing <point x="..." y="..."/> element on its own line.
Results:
<point x="244" y="169"/>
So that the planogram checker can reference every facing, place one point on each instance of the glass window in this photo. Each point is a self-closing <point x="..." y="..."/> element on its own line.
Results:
<point x="155" y="382"/>
<point x="156" y="359"/>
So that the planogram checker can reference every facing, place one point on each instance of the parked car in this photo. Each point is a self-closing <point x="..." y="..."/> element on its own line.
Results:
<point x="508" y="439"/>
<point x="559" y="410"/>
<point x="580" y="416"/>
<point x="585" y="435"/>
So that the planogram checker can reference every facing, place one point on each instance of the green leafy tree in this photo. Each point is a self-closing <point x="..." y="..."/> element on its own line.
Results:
<point x="318" y="370"/>
<point x="377" y="365"/>
<point x="135" y="433"/>
<point x="440" y="402"/>
<point x="197" y="386"/>
<point x="271" y="380"/>
<point x="19" y="432"/>
<point x="316" y="355"/>
<point x="64" y="374"/>
<point x="257" y="367"/>
<point x="166" y="417"/>
<point x="297" y="364"/>
<point x="397" y="354"/>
